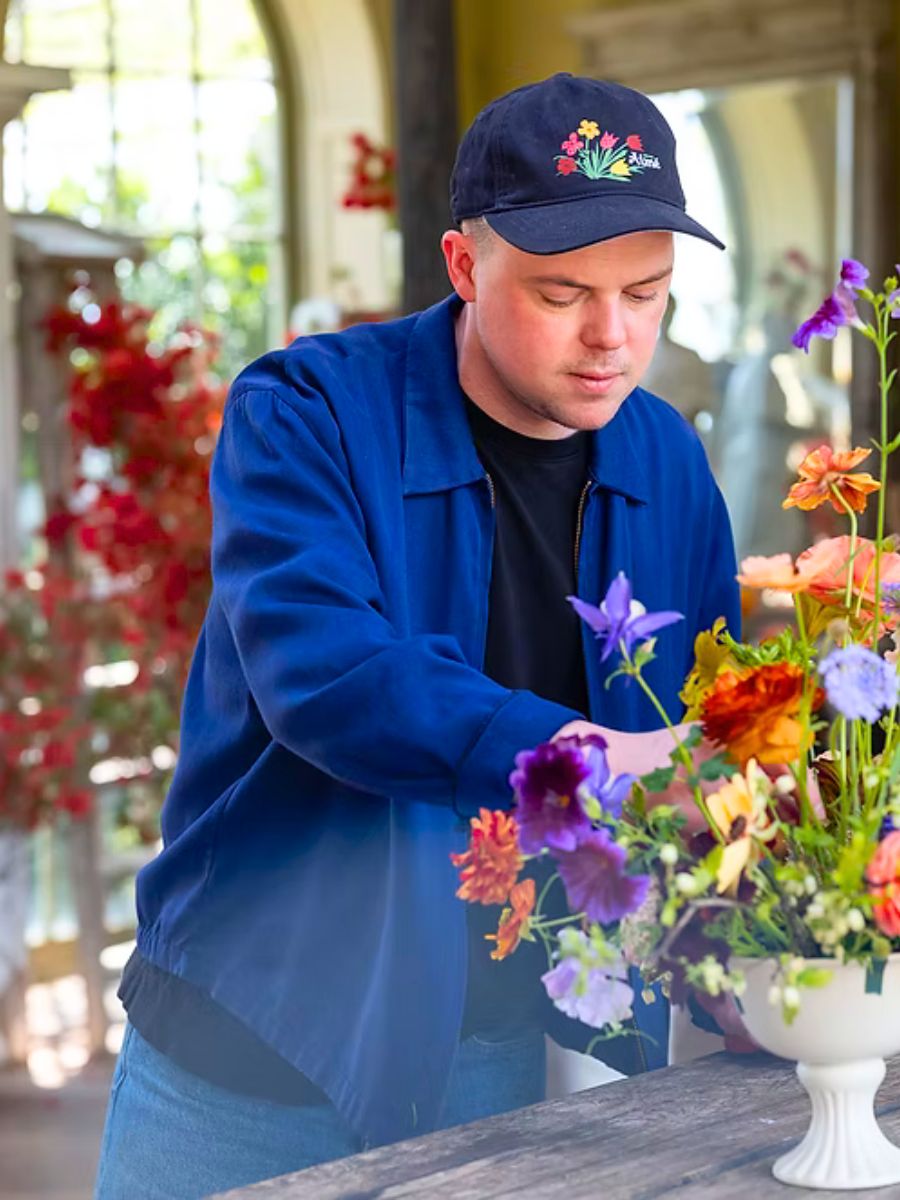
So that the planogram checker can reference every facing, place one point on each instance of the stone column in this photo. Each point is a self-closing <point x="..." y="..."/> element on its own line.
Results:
<point x="17" y="83"/>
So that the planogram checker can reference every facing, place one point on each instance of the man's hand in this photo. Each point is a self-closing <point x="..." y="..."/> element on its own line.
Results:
<point x="641" y="753"/>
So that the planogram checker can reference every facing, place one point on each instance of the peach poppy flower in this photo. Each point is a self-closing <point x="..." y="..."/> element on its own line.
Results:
<point x="513" y="921"/>
<point x="825" y="565"/>
<point x="822" y="470"/>
<point x="776" y="571"/>
<point x="883" y="876"/>
<point x="755" y="715"/>
<point x="490" y="866"/>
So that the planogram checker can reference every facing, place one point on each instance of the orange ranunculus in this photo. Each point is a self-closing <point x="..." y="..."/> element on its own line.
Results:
<point x="825" y="566"/>
<point x="776" y="571"/>
<point x="883" y="876"/>
<point x="754" y="715"/>
<point x="513" y="921"/>
<point x="823" y="470"/>
<point x="493" y="860"/>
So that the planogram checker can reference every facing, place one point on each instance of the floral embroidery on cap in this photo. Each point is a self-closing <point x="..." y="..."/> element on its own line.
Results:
<point x="603" y="155"/>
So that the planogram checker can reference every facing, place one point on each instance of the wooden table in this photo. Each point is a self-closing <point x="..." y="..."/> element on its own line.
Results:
<point x="709" y="1129"/>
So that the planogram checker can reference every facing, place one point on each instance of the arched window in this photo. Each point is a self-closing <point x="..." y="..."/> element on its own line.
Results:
<point x="170" y="132"/>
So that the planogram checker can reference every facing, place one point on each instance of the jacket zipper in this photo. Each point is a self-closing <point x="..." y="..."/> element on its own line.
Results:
<point x="490" y="484"/>
<point x="578" y="522"/>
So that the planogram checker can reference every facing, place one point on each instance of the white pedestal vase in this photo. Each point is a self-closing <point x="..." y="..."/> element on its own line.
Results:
<point x="839" y="1041"/>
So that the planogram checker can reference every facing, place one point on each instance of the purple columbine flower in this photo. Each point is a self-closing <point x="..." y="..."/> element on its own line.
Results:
<point x="610" y="790"/>
<point x="824" y="323"/>
<point x="853" y="273"/>
<point x="546" y="782"/>
<point x="890" y="598"/>
<point x="858" y="683"/>
<point x="619" y="619"/>
<point x="596" y="881"/>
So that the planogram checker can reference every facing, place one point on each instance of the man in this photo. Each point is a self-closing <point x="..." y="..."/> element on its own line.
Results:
<point x="400" y="511"/>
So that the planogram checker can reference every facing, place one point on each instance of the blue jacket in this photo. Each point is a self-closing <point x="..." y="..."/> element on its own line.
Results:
<point x="337" y="731"/>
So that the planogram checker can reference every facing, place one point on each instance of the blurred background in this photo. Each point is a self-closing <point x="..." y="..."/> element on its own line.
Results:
<point x="188" y="183"/>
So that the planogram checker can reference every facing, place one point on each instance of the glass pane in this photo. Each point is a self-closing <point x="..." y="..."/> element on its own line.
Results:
<point x="237" y="283"/>
<point x="152" y="37"/>
<point x="13" y="166"/>
<point x="231" y="40"/>
<point x="66" y="33"/>
<point x="156" y="155"/>
<point x="12" y="33"/>
<point x="168" y="282"/>
<point x="68" y="150"/>
<point x="239" y="157"/>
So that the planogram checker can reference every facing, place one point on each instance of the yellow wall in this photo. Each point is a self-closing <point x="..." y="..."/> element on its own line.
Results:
<point x="501" y="44"/>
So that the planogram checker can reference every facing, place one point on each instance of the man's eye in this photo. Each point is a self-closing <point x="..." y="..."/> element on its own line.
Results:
<point x="558" y="303"/>
<point x="641" y="299"/>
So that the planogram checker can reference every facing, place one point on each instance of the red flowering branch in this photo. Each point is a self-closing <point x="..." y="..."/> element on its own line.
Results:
<point x="373" y="176"/>
<point x="127" y="573"/>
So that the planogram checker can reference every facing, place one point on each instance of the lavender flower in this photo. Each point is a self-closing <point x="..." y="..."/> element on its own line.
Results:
<point x="853" y="273"/>
<point x="858" y="683"/>
<point x="824" y="323"/>
<point x="546" y="782"/>
<point x="596" y="881"/>
<point x="621" y="620"/>
<point x="586" y="987"/>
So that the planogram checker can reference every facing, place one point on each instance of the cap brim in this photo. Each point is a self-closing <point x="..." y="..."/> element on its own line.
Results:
<point x="571" y="224"/>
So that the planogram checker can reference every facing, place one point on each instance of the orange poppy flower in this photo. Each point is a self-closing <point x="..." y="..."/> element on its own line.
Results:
<point x="513" y="921"/>
<point x="490" y="866"/>
<point x="883" y="876"/>
<point x="822" y="470"/>
<point x="754" y="715"/>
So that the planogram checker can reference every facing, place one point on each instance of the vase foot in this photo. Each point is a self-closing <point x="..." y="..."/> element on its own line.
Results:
<point x="844" y="1148"/>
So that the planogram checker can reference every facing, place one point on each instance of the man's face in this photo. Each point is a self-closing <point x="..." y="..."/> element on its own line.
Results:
<point x="560" y="340"/>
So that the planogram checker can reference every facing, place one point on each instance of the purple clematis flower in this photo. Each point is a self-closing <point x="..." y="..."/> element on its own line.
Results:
<point x="595" y="879"/>
<point x="620" y="620"/>
<point x="824" y="323"/>
<point x="859" y="683"/>
<point x="853" y="273"/>
<point x="546" y="782"/>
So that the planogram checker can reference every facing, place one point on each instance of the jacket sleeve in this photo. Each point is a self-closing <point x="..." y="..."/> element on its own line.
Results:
<point x="720" y="595"/>
<point x="404" y="717"/>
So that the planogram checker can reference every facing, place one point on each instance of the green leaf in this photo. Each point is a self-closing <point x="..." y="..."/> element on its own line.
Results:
<point x="658" y="780"/>
<point x="693" y="737"/>
<point x="717" y="767"/>
<point x="875" y="976"/>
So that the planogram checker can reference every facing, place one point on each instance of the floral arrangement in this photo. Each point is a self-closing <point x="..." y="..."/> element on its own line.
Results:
<point x="125" y="576"/>
<point x="786" y="842"/>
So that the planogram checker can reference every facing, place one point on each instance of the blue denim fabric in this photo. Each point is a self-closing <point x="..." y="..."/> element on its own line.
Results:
<point x="171" y="1135"/>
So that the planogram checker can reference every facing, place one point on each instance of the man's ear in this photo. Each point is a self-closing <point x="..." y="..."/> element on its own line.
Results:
<point x="459" y="255"/>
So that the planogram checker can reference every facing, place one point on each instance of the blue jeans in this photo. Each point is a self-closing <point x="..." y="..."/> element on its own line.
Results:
<point x="171" y="1135"/>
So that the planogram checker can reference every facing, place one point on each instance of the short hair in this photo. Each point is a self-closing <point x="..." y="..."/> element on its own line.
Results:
<point x="481" y="233"/>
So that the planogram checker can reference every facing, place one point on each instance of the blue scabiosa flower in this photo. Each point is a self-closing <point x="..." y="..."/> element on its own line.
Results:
<point x="620" y="620"/>
<point x="858" y="683"/>
<point x="596" y="880"/>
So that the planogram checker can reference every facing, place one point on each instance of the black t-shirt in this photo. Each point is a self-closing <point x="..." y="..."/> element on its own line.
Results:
<point x="533" y="642"/>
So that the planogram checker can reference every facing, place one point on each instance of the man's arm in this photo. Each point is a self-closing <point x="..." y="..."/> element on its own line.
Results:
<point x="333" y="680"/>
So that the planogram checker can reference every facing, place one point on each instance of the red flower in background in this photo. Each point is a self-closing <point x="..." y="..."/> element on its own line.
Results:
<point x="127" y="573"/>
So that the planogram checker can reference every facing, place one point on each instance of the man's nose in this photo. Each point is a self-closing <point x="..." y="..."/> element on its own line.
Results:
<point x="604" y="327"/>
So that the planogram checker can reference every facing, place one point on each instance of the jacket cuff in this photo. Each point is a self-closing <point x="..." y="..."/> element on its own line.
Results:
<point x="522" y="722"/>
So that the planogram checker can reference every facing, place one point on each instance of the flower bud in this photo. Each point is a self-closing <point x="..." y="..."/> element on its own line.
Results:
<point x="668" y="854"/>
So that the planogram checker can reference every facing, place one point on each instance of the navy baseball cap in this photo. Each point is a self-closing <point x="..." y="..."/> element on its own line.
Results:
<point x="567" y="162"/>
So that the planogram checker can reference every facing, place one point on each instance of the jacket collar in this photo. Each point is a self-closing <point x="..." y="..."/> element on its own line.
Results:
<point x="439" y="452"/>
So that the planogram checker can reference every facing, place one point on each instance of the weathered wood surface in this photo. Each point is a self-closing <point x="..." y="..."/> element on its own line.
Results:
<point x="708" y="1130"/>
